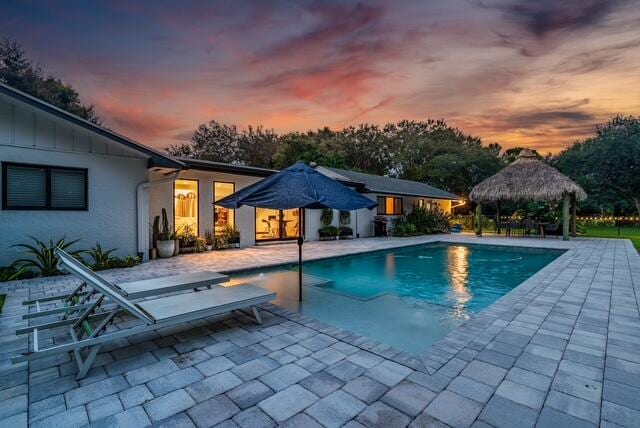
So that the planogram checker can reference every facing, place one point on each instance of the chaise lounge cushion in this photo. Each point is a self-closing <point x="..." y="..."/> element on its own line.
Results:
<point x="214" y="301"/>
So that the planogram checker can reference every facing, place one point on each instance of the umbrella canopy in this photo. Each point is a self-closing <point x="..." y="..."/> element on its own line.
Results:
<point x="527" y="178"/>
<point x="298" y="186"/>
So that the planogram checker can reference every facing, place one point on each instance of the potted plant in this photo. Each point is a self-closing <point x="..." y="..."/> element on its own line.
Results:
<point x="346" y="232"/>
<point x="233" y="237"/>
<point x="165" y="243"/>
<point x="199" y="245"/>
<point x="327" y="231"/>
<point x="208" y="240"/>
<point x="220" y="243"/>
<point x="187" y="239"/>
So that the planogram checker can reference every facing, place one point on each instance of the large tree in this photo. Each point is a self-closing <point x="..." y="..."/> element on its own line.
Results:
<point x="607" y="166"/>
<point x="18" y="71"/>
<point x="218" y="142"/>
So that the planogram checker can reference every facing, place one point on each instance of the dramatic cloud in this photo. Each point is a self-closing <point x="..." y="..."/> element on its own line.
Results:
<point x="539" y="73"/>
<point x="542" y="17"/>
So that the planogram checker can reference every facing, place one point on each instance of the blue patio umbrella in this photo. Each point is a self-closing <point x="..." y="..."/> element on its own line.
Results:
<point x="298" y="186"/>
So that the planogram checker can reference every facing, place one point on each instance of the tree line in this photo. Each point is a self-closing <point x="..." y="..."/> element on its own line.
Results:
<point x="606" y="165"/>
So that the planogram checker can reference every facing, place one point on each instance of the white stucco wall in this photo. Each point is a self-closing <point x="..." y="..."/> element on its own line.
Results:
<point x="28" y="135"/>
<point x="361" y="221"/>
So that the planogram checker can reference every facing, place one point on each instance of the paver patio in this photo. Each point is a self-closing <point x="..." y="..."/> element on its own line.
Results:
<point x="562" y="349"/>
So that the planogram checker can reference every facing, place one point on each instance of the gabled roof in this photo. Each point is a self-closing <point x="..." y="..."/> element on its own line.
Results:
<point x="204" y="165"/>
<point x="386" y="185"/>
<point x="157" y="158"/>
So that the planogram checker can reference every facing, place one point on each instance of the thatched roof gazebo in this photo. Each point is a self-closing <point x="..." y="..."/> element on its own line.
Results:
<point x="529" y="179"/>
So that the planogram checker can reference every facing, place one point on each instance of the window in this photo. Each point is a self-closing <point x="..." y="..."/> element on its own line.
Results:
<point x="185" y="195"/>
<point x="389" y="206"/>
<point x="41" y="187"/>
<point x="420" y="203"/>
<point x="222" y="217"/>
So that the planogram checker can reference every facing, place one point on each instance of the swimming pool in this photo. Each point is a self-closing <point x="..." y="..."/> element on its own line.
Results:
<point x="413" y="296"/>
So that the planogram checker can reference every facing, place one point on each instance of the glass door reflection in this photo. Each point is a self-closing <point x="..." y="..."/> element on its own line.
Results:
<point x="274" y="225"/>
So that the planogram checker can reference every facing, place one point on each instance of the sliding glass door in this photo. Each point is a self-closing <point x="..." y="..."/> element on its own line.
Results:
<point x="277" y="225"/>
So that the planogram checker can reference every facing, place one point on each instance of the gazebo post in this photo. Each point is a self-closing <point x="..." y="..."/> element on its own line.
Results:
<point x="574" y="208"/>
<point x="479" y="219"/>
<point x="566" y="199"/>
<point x="498" y="216"/>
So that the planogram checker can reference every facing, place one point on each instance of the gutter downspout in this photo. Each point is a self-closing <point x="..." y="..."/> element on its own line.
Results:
<point x="142" y="212"/>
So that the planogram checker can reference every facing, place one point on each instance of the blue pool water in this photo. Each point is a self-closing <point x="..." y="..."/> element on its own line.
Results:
<point x="413" y="296"/>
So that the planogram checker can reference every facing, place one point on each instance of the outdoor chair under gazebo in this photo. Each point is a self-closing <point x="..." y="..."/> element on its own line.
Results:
<point x="530" y="179"/>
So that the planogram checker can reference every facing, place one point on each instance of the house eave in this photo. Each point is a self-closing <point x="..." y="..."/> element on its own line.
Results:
<point x="156" y="159"/>
<point x="211" y="166"/>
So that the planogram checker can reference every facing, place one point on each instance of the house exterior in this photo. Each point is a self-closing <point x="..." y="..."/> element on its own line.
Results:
<point x="64" y="176"/>
<point x="393" y="195"/>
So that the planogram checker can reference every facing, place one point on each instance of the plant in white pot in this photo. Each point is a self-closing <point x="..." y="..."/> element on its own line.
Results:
<point x="165" y="243"/>
<point x="208" y="240"/>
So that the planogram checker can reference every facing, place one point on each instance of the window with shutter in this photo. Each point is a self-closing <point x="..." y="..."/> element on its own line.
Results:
<point x="68" y="189"/>
<point x="25" y="187"/>
<point x="41" y="187"/>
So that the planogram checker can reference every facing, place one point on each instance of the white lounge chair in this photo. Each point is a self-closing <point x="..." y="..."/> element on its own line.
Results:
<point x="88" y="330"/>
<point x="132" y="290"/>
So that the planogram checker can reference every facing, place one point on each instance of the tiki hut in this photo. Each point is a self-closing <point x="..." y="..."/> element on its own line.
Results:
<point x="530" y="179"/>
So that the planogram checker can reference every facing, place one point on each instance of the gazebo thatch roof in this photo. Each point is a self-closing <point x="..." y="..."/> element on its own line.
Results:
<point x="527" y="178"/>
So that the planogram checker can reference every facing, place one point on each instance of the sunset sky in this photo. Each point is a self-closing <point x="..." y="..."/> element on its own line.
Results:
<point x="532" y="73"/>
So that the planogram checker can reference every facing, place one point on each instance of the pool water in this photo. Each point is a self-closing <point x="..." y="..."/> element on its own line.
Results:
<point x="411" y="297"/>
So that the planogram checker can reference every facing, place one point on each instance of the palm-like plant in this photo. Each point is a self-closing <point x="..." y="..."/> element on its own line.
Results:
<point x="44" y="260"/>
<point x="10" y="273"/>
<point x="101" y="258"/>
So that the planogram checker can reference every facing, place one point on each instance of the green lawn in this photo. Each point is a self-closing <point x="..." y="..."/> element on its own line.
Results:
<point x="1" y="302"/>
<point x="632" y="233"/>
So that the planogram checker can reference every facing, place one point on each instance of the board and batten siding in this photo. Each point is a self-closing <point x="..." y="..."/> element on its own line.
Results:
<point x="28" y="135"/>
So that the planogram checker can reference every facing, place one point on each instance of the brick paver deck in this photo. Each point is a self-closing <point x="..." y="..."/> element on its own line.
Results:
<point x="562" y="349"/>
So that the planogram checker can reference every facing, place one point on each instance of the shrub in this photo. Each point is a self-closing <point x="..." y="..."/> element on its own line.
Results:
<point x="346" y="231"/>
<point x="404" y="229"/>
<point x="326" y="218"/>
<point x="118" y="263"/>
<point x="429" y="221"/>
<point x="128" y="261"/>
<point x="100" y="257"/>
<point x="208" y="237"/>
<point x="199" y="244"/>
<point x="187" y="236"/>
<point x="231" y="234"/>
<point x="13" y="273"/>
<point x="220" y="242"/>
<point x="103" y="260"/>
<point x="328" y="231"/>
<point x="44" y="261"/>
<point x="344" y="218"/>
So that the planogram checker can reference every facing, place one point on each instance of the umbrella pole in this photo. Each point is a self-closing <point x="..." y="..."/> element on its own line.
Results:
<point x="300" y="241"/>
